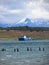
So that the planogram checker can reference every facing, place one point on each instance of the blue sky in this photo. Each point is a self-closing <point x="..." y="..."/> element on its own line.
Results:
<point x="12" y="11"/>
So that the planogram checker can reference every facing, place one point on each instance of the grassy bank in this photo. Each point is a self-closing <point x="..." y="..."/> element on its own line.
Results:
<point x="13" y="34"/>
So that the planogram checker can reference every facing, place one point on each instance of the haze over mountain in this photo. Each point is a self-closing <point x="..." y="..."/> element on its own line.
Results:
<point x="33" y="22"/>
<point x="28" y="22"/>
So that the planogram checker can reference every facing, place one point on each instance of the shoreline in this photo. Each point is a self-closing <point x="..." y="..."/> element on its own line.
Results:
<point x="18" y="40"/>
<point x="24" y="41"/>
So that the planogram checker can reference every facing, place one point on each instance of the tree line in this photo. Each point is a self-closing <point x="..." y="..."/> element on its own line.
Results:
<point x="26" y="28"/>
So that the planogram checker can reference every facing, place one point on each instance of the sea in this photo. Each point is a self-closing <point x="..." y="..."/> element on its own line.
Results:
<point x="13" y="52"/>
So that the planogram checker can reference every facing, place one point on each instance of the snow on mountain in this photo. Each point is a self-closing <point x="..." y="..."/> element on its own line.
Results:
<point x="41" y="22"/>
<point x="33" y="22"/>
<point x="28" y="22"/>
<point x="24" y="22"/>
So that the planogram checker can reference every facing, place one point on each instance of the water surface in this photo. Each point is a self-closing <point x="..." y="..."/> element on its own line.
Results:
<point x="24" y="57"/>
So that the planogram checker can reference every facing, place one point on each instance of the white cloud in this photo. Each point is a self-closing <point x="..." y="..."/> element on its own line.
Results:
<point x="2" y="8"/>
<point x="13" y="10"/>
<point x="5" y="10"/>
<point x="16" y="11"/>
<point x="39" y="13"/>
<point x="36" y="10"/>
<point x="28" y="4"/>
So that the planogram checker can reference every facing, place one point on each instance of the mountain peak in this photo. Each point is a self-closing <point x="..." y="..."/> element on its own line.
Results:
<point x="27" y="20"/>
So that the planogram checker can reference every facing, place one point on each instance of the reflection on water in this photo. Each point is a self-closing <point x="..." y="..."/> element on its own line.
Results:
<point x="34" y="52"/>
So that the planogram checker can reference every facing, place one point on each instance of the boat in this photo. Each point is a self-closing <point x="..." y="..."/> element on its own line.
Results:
<point x="24" y="38"/>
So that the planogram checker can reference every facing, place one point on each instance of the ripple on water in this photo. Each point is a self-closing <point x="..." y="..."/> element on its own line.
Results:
<point x="8" y="56"/>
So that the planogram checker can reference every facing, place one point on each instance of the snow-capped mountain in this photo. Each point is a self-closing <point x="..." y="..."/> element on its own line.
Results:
<point x="33" y="22"/>
<point x="28" y="22"/>
<point x="25" y="22"/>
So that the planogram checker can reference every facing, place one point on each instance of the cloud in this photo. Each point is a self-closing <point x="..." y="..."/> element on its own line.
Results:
<point x="36" y="9"/>
<point x="17" y="11"/>
<point x="5" y="10"/>
<point x="14" y="10"/>
<point x="46" y="1"/>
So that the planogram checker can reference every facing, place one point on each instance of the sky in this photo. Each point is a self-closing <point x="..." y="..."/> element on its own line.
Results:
<point x="12" y="11"/>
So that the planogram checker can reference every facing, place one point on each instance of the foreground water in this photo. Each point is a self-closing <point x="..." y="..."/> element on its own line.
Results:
<point x="24" y="57"/>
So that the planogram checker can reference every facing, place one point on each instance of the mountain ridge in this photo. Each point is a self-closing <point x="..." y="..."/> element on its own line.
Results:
<point x="28" y="22"/>
<point x="34" y="22"/>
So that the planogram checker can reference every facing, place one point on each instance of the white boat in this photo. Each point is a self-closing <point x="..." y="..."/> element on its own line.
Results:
<point x="24" y="38"/>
